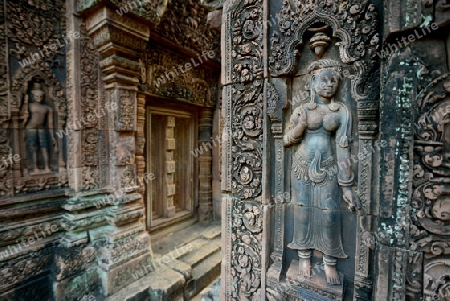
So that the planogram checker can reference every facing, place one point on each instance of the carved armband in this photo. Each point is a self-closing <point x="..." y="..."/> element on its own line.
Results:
<point x="343" y="142"/>
<point x="346" y="183"/>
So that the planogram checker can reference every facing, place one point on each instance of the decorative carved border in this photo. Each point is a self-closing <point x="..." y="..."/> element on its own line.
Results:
<point x="430" y="228"/>
<point x="243" y="104"/>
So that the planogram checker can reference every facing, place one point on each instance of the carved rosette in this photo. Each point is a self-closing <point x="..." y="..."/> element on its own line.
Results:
<point x="430" y="206"/>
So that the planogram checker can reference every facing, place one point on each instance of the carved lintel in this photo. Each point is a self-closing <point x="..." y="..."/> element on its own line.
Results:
<point x="152" y="11"/>
<point x="170" y="74"/>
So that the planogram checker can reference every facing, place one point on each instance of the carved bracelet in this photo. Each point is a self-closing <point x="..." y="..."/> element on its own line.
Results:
<point x="347" y="182"/>
<point x="292" y="139"/>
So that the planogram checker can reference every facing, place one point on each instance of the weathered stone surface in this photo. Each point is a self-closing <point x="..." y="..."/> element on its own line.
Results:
<point x="394" y="89"/>
<point x="330" y="119"/>
<point x="76" y="78"/>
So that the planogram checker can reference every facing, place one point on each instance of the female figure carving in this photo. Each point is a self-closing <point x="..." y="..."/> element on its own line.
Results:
<point x="315" y="178"/>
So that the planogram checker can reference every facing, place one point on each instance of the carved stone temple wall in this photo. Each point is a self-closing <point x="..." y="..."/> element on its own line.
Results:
<point x="316" y="130"/>
<point x="336" y="177"/>
<point x="77" y="79"/>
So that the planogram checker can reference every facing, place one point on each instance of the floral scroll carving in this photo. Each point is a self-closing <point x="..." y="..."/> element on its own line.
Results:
<point x="91" y="119"/>
<point x="431" y="204"/>
<point x="243" y="108"/>
<point x="430" y="207"/>
<point x="246" y="251"/>
<point x="247" y="138"/>
<point x="193" y="31"/>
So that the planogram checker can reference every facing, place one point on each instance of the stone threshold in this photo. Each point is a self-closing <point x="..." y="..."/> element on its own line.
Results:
<point x="186" y="261"/>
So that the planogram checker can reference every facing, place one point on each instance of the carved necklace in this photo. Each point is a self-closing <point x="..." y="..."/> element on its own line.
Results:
<point x="332" y="106"/>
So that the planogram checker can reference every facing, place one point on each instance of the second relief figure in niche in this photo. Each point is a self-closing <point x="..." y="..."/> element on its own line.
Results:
<point x="319" y="168"/>
<point x="38" y="122"/>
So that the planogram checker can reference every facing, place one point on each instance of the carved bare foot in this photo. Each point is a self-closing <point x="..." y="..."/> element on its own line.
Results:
<point x="304" y="267"/>
<point x="34" y="172"/>
<point x="332" y="275"/>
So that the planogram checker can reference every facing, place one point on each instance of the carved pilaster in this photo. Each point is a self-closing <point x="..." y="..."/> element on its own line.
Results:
<point x="120" y="41"/>
<point x="140" y="144"/>
<point x="275" y="102"/>
<point x="205" y="165"/>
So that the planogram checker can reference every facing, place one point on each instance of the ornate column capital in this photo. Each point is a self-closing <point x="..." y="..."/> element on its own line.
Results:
<point x="120" y="41"/>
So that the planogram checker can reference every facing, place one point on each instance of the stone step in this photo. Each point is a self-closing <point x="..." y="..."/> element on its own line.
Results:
<point x="210" y="293"/>
<point x="176" y="238"/>
<point x="202" y="274"/>
<point x="180" y="272"/>
<point x="202" y="249"/>
<point x="212" y="232"/>
<point x="163" y="284"/>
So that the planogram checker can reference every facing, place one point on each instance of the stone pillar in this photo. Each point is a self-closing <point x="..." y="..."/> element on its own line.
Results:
<point x="120" y="40"/>
<point x="75" y="271"/>
<point x="205" y="165"/>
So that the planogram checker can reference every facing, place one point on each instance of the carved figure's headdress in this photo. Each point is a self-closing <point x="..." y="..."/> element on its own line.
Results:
<point x="318" y="65"/>
<point x="37" y="89"/>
